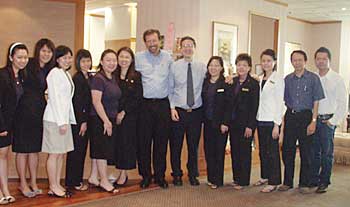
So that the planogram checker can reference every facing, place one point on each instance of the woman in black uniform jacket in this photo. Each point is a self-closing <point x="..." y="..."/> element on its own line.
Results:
<point x="241" y="110"/>
<point x="213" y="96"/>
<point x="11" y="79"/>
<point x="28" y="131"/>
<point x="130" y="84"/>
<point x="82" y="105"/>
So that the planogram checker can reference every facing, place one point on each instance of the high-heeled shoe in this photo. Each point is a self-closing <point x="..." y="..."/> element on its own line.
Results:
<point x="112" y="191"/>
<point x="67" y="194"/>
<point x="116" y="184"/>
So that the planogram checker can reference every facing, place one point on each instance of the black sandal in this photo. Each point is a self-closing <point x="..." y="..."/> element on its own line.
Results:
<point x="67" y="194"/>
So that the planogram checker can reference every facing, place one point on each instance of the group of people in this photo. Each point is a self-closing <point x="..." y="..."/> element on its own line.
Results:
<point x="135" y="104"/>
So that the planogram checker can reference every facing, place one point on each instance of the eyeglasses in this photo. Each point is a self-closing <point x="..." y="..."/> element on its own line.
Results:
<point x="188" y="46"/>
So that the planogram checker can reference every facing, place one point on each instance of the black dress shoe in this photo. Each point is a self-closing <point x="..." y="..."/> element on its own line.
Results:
<point x="322" y="188"/>
<point x="162" y="183"/>
<point x="194" y="181"/>
<point x="145" y="182"/>
<point x="177" y="181"/>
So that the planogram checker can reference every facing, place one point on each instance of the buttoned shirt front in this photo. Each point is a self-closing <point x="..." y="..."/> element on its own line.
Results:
<point x="154" y="71"/>
<point x="301" y="92"/>
<point x="335" y="101"/>
<point x="178" y="83"/>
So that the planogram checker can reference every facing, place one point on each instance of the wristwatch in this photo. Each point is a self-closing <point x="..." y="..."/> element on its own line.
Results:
<point x="314" y="120"/>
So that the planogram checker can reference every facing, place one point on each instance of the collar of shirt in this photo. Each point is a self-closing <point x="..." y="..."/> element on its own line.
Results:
<point x="306" y="74"/>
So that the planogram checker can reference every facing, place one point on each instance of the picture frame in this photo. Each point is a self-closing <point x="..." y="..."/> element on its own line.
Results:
<point x="225" y="44"/>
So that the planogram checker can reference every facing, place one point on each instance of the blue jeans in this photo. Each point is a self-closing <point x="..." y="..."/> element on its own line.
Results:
<point x="322" y="147"/>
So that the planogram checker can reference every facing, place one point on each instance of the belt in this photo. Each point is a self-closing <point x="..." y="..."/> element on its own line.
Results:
<point x="155" y="99"/>
<point x="293" y="111"/>
<point x="188" y="110"/>
<point x="324" y="116"/>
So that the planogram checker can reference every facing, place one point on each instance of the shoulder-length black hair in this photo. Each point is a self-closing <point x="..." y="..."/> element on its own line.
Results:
<point x="131" y="73"/>
<point x="221" y="62"/>
<point x="82" y="53"/>
<point x="38" y="46"/>
<point x="60" y="51"/>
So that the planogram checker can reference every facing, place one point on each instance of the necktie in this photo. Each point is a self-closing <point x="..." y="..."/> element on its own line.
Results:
<point x="190" y="94"/>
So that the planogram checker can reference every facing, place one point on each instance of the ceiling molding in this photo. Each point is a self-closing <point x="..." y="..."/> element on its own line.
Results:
<point x="277" y="2"/>
<point x="311" y="22"/>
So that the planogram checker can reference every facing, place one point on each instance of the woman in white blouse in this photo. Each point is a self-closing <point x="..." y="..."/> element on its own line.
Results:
<point x="58" y="117"/>
<point x="269" y="116"/>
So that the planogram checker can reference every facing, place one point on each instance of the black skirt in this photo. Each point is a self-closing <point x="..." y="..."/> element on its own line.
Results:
<point x="102" y="146"/>
<point x="5" y="141"/>
<point x="125" y="144"/>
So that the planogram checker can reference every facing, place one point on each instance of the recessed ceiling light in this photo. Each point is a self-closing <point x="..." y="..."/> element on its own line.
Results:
<point x="343" y="9"/>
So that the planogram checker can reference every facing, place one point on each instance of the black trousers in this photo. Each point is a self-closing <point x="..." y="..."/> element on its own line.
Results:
<point x="295" y="129"/>
<point x="153" y="128"/>
<point x="270" y="162"/>
<point x="76" y="158"/>
<point x="241" y="155"/>
<point x="214" y="148"/>
<point x="191" y="124"/>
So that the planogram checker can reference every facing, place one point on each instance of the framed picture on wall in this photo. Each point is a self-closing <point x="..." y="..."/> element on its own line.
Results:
<point x="225" y="40"/>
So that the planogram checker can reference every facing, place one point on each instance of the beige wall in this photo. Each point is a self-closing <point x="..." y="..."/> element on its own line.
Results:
<point x="262" y="36"/>
<point x="21" y="21"/>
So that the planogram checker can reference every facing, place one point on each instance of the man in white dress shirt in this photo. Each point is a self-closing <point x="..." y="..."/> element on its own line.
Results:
<point x="331" y="112"/>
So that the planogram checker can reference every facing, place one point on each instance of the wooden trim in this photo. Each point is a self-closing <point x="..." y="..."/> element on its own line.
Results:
<point x="277" y="2"/>
<point x="97" y="15"/>
<point x="275" y="36"/>
<point x="311" y="22"/>
<point x="65" y="1"/>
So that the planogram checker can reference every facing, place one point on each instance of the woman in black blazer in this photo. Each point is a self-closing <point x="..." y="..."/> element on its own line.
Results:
<point x="28" y="130"/>
<point x="129" y="82"/>
<point x="82" y="104"/>
<point x="241" y="110"/>
<point x="11" y="79"/>
<point x="213" y="96"/>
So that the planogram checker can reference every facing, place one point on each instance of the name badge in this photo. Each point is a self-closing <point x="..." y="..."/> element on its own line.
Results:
<point x="273" y="82"/>
<point x="245" y="89"/>
<point x="220" y="90"/>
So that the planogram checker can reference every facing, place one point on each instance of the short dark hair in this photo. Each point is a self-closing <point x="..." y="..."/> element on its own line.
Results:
<point x="40" y="44"/>
<point x="244" y="57"/>
<point x="60" y="51"/>
<point x="221" y="62"/>
<point x="298" y="52"/>
<point x="82" y="53"/>
<point x="324" y="50"/>
<point x="188" y="38"/>
<point x="149" y="32"/>
<point x="272" y="54"/>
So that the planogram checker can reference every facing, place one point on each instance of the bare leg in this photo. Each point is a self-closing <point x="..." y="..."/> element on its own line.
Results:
<point x="59" y="171"/>
<point x="51" y="166"/>
<point x="102" y="170"/>
<point x="33" y="160"/>
<point x="21" y="164"/>
<point x="4" y="171"/>
<point x="93" y="179"/>
<point x="122" y="177"/>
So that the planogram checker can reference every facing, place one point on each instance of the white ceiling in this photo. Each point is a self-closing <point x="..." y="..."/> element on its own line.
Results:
<point x="310" y="10"/>
<point x="319" y="10"/>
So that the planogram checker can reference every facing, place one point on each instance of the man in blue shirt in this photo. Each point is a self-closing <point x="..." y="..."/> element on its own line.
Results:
<point x="185" y="85"/>
<point x="303" y="91"/>
<point x="154" y="66"/>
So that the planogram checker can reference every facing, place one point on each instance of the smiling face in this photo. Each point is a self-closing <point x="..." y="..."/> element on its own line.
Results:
<point x="215" y="68"/>
<point x="85" y="64"/>
<point x="322" y="61"/>
<point x="298" y="62"/>
<point x="267" y="63"/>
<point x="45" y="55"/>
<point x="124" y="59"/>
<point x="65" y="62"/>
<point x="243" y="68"/>
<point x="19" y="59"/>
<point x="152" y="43"/>
<point x="109" y="62"/>
<point x="187" y="48"/>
